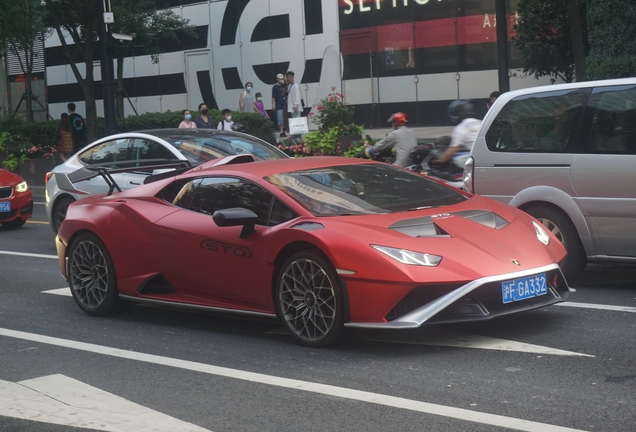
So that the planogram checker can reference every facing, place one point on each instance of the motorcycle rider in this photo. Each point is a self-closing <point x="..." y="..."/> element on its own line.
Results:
<point x="401" y="139"/>
<point x="461" y="113"/>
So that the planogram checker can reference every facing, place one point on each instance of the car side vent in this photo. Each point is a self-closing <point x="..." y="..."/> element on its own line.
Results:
<point x="309" y="226"/>
<point x="157" y="285"/>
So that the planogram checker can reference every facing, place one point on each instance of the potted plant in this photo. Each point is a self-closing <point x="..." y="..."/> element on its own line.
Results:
<point x="336" y="130"/>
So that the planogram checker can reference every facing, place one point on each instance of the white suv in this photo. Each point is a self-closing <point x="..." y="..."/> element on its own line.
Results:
<point x="566" y="154"/>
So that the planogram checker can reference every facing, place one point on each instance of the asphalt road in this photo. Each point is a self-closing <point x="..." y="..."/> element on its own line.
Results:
<point x="151" y="369"/>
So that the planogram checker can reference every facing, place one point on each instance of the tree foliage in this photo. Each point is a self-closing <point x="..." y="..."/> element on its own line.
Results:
<point x="22" y="26"/>
<point x="543" y="38"/>
<point x="613" y="38"/>
<point x="139" y="19"/>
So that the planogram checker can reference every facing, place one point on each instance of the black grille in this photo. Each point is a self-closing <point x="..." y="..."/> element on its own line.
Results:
<point x="6" y="192"/>
<point x="420" y="296"/>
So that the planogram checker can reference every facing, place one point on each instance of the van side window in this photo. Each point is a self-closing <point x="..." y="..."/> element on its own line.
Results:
<point x="538" y="123"/>
<point x="611" y="116"/>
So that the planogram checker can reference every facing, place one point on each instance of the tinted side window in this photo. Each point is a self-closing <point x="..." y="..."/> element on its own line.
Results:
<point x="143" y="149"/>
<point x="611" y="117"/>
<point x="544" y="122"/>
<point x="107" y="152"/>
<point x="211" y="194"/>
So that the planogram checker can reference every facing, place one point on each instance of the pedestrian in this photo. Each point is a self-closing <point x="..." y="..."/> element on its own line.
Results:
<point x="294" y="100"/>
<point x="64" y="134"/>
<point x="260" y="107"/>
<point x="493" y="97"/>
<point x="226" y="123"/>
<point x="202" y="120"/>
<point x="246" y="100"/>
<point x="187" y="122"/>
<point x="77" y="127"/>
<point x="279" y="94"/>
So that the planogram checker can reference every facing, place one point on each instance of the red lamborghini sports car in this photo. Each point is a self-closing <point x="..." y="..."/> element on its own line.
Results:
<point x="320" y="242"/>
<point x="16" y="200"/>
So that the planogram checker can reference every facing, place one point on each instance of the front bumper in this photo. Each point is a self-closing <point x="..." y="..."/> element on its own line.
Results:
<point x="477" y="300"/>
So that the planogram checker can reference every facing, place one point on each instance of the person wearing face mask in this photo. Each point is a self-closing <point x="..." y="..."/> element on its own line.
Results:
<point x="246" y="100"/>
<point x="279" y="95"/>
<point x="187" y="122"/>
<point x="202" y="120"/>
<point x="226" y="123"/>
<point x="260" y="107"/>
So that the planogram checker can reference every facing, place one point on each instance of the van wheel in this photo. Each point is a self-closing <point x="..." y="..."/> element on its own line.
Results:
<point x="563" y="229"/>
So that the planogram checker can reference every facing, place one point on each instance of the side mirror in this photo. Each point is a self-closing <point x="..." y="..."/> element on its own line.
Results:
<point x="236" y="217"/>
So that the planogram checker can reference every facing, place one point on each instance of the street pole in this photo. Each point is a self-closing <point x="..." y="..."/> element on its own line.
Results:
<point x="105" y="17"/>
<point x="502" y="45"/>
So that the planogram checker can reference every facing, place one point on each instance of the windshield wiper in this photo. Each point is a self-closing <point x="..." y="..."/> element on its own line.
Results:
<point x="420" y="208"/>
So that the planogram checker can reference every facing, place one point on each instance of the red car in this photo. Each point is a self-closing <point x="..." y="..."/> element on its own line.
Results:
<point x="320" y="242"/>
<point x="16" y="200"/>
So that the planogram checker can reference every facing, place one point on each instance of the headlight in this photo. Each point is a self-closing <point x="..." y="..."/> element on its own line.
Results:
<point x="21" y="187"/>
<point x="410" y="257"/>
<point x="541" y="234"/>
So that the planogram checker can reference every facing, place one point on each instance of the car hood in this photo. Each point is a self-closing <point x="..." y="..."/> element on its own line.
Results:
<point x="476" y="238"/>
<point x="8" y="178"/>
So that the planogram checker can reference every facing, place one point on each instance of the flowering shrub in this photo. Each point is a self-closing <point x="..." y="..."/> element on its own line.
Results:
<point x="14" y="152"/>
<point x="332" y="111"/>
<point x="294" y="149"/>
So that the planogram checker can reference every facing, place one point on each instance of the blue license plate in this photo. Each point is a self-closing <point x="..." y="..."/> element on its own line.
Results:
<point x="5" y="206"/>
<point x="524" y="288"/>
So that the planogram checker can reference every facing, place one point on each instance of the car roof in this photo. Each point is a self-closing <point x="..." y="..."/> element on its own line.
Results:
<point x="505" y="97"/>
<point x="270" y="167"/>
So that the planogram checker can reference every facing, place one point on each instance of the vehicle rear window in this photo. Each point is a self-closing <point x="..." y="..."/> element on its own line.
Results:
<point x="363" y="189"/>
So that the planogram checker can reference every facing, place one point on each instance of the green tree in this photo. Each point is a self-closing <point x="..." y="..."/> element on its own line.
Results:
<point x="141" y="20"/>
<point x="22" y="25"/>
<point x="544" y="37"/>
<point x="612" y="38"/>
<point x="78" y="20"/>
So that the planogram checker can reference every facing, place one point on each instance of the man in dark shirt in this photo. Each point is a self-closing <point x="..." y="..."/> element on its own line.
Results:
<point x="77" y="127"/>
<point x="278" y="102"/>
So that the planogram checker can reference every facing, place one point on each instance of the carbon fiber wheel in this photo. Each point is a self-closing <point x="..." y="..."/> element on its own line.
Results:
<point x="59" y="213"/>
<point x="309" y="299"/>
<point x="91" y="276"/>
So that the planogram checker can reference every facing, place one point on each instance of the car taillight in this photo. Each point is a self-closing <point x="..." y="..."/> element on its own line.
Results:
<point x="48" y="176"/>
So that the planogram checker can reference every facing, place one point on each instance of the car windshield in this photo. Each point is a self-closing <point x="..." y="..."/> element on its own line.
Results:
<point x="199" y="147"/>
<point x="363" y="189"/>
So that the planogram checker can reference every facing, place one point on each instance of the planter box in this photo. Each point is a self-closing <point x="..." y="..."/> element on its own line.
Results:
<point x="34" y="171"/>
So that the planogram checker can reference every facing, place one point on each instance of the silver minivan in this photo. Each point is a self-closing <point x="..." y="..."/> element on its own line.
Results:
<point x="566" y="154"/>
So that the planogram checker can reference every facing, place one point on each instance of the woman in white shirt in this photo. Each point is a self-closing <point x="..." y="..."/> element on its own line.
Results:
<point x="187" y="122"/>
<point x="226" y="123"/>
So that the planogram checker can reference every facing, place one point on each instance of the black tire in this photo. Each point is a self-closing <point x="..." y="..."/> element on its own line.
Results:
<point x="59" y="212"/>
<point x="563" y="228"/>
<point x="309" y="299"/>
<point x="15" y="223"/>
<point x="91" y="276"/>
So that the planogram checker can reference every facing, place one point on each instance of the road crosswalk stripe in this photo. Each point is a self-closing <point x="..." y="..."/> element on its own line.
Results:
<point x="298" y="385"/>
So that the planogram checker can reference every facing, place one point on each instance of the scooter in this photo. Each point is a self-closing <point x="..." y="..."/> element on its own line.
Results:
<point x="425" y="157"/>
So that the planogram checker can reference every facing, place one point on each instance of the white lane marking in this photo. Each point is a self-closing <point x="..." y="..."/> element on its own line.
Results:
<point x="449" y="338"/>
<point x="598" y="306"/>
<point x="43" y="203"/>
<point x="37" y="222"/>
<point x="30" y="255"/>
<point x="324" y="389"/>
<point x="61" y="400"/>
<point x="59" y="291"/>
